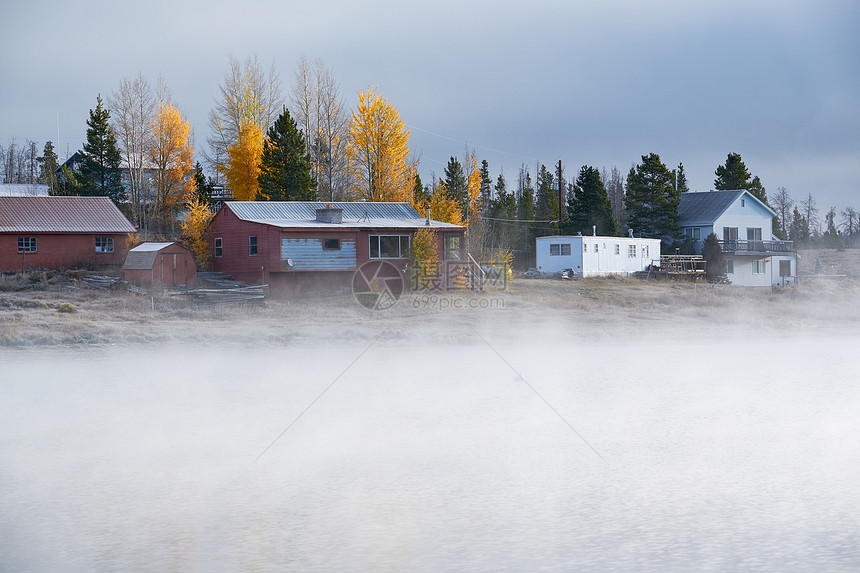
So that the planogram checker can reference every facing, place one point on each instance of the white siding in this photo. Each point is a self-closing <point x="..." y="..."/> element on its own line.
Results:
<point x="586" y="262"/>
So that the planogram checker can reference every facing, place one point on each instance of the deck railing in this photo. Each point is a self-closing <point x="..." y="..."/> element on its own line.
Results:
<point x="757" y="247"/>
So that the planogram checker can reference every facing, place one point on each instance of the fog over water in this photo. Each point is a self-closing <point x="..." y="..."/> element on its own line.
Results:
<point x="487" y="454"/>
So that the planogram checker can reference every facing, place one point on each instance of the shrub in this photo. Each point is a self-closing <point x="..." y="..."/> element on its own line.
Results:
<point x="67" y="307"/>
<point x="715" y="262"/>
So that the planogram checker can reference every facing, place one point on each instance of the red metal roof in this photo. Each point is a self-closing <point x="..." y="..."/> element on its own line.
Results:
<point x="61" y="215"/>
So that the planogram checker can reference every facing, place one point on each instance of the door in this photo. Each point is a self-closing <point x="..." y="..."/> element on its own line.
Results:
<point x="730" y="238"/>
<point x="754" y="239"/>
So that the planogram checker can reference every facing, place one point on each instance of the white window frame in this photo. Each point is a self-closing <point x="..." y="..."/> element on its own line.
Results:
<point x="631" y="251"/>
<point x="28" y="245"/>
<point x="104" y="244"/>
<point x="730" y="266"/>
<point x="617" y="249"/>
<point x="559" y="250"/>
<point x="452" y="247"/>
<point x="759" y="266"/>
<point x="403" y="246"/>
<point x="219" y="247"/>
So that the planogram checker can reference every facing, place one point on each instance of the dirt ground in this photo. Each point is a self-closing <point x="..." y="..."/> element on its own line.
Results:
<point x="60" y="311"/>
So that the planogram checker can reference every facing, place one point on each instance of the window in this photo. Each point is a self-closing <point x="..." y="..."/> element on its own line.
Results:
<point x="743" y="202"/>
<point x="644" y="251"/>
<point x="697" y="233"/>
<point x="452" y="247"/>
<point x="561" y="249"/>
<point x="331" y="244"/>
<point x="758" y="266"/>
<point x="584" y="247"/>
<point x="730" y="266"/>
<point x="617" y="249"/>
<point x="785" y="268"/>
<point x="730" y="238"/>
<point x="219" y="247"/>
<point x="389" y="246"/>
<point x="104" y="244"/>
<point x="27" y="244"/>
<point x="595" y="248"/>
<point x="631" y="251"/>
<point x="753" y="234"/>
<point x="252" y="246"/>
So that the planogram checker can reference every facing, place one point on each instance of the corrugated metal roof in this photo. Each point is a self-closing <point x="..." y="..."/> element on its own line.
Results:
<point x="61" y="215"/>
<point x="144" y="247"/>
<point x="144" y="255"/>
<point x="355" y="214"/>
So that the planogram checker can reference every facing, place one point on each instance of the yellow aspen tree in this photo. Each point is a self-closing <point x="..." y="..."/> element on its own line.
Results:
<point x="194" y="228"/>
<point x="424" y="253"/>
<point x="248" y="94"/>
<point x="475" y="231"/>
<point x="378" y="151"/>
<point x="444" y="208"/>
<point x="245" y="157"/>
<point x="473" y="189"/>
<point x="171" y="157"/>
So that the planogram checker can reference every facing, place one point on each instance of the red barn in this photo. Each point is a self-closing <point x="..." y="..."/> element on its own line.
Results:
<point x="160" y="264"/>
<point x="305" y="244"/>
<point x="57" y="232"/>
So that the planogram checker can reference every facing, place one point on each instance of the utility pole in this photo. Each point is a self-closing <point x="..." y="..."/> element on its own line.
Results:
<point x="560" y="192"/>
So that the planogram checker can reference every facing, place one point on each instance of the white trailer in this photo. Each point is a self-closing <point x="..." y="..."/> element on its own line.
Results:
<point x="595" y="256"/>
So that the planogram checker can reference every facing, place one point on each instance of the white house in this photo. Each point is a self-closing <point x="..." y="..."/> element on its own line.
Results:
<point x="595" y="256"/>
<point x="744" y="225"/>
<point x="23" y="190"/>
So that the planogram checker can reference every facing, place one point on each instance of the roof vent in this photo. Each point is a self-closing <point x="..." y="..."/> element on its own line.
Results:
<point x="330" y="214"/>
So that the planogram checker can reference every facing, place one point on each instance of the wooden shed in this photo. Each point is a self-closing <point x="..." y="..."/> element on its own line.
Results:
<point x="157" y="264"/>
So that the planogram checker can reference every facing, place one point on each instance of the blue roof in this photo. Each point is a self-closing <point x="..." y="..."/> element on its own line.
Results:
<point x="702" y="209"/>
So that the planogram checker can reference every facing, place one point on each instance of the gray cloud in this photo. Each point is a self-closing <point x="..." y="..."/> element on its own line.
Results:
<point x="597" y="85"/>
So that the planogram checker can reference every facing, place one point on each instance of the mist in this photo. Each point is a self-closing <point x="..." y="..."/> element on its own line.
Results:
<point x="493" y="448"/>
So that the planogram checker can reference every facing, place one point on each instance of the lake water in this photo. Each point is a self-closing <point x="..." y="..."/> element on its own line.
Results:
<point x="582" y="456"/>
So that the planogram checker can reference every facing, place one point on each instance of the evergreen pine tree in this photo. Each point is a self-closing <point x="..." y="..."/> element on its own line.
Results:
<point x="455" y="181"/>
<point x="732" y="175"/>
<point x="652" y="201"/>
<point x="486" y="188"/>
<point x="285" y="168"/>
<point x="681" y="180"/>
<point x="799" y="230"/>
<point x="589" y="206"/>
<point x="99" y="173"/>
<point x="48" y="165"/>
<point x="203" y="188"/>
<point x="420" y="194"/>
<point x="526" y="213"/>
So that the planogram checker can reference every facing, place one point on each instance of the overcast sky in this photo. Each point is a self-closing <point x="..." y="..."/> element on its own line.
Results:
<point x="590" y="83"/>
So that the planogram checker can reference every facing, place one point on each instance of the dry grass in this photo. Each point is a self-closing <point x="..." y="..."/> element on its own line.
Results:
<point x="602" y="307"/>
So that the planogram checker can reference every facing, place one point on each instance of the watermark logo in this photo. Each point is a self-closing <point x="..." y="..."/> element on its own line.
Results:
<point x="378" y="285"/>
